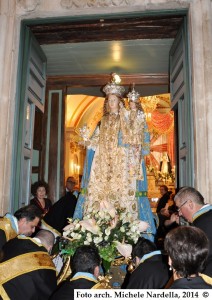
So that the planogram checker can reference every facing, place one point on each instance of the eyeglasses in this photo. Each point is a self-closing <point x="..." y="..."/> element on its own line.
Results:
<point x="70" y="182"/>
<point x="179" y="208"/>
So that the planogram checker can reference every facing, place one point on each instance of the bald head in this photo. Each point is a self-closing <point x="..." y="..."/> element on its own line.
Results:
<point x="47" y="238"/>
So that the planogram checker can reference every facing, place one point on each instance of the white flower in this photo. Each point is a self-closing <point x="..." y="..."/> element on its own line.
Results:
<point x="135" y="239"/>
<point x="133" y="228"/>
<point x="122" y="229"/>
<point x="76" y="236"/>
<point x="97" y="240"/>
<point x="66" y="233"/>
<point x="142" y="226"/>
<point x="114" y="222"/>
<point x="89" y="240"/>
<point x="86" y="243"/>
<point x="107" y="206"/>
<point x="77" y="226"/>
<point x="103" y="223"/>
<point x="90" y="225"/>
<point x="69" y="227"/>
<point x="124" y="249"/>
<point x="139" y="226"/>
<point x="126" y="218"/>
<point x="72" y="234"/>
<point x="107" y="231"/>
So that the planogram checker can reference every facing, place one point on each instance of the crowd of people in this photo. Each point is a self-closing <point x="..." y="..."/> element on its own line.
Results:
<point x="172" y="254"/>
<point x="27" y="267"/>
<point x="185" y="262"/>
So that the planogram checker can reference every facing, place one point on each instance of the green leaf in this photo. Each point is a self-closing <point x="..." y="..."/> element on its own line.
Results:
<point x="106" y="265"/>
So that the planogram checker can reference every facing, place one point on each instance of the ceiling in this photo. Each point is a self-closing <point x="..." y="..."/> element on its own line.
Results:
<point x="122" y="57"/>
<point x="137" y="46"/>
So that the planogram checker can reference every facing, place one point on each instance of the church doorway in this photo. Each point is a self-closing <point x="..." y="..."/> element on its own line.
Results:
<point x="154" y="56"/>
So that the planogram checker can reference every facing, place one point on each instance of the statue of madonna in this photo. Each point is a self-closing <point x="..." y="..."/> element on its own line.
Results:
<point x="108" y="171"/>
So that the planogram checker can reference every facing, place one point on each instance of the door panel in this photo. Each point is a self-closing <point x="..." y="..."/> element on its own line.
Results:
<point x="52" y="160"/>
<point x="32" y="97"/>
<point x="182" y="105"/>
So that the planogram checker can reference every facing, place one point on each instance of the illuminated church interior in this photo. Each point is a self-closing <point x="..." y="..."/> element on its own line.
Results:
<point x="160" y="163"/>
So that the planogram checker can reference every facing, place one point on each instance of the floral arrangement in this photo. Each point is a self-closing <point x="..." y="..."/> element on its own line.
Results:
<point x="159" y="176"/>
<point x="112" y="230"/>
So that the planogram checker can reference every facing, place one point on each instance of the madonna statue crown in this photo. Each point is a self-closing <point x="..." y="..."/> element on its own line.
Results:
<point x="113" y="86"/>
<point x="133" y="95"/>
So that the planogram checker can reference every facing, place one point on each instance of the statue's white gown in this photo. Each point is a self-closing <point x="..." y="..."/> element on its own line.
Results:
<point x="108" y="172"/>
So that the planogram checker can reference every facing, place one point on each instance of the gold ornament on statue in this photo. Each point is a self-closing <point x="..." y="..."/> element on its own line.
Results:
<point x="105" y="281"/>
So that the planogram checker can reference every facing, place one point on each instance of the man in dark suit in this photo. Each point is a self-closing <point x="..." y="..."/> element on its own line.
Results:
<point x="56" y="218"/>
<point x="85" y="266"/>
<point x="191" y="206"/>
<point x="151" y="270"/>
<point x="162" y="217"/>
<point x="165" y="195"/>
<point x="26" y="269"/>
<point x="24" y="222"/>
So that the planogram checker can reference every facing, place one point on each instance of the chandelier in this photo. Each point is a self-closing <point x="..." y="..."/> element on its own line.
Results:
<point x="149" y="104"/>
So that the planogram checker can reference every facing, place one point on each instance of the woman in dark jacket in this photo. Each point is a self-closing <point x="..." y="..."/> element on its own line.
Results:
<point x="39" y="190"/>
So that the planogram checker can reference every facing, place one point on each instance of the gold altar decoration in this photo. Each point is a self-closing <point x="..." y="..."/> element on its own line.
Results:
<point x="149" y="104"/>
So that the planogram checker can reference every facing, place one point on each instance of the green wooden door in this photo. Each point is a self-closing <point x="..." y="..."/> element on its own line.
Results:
<point x="32" y="97"/>
<point x="181" y="103"/>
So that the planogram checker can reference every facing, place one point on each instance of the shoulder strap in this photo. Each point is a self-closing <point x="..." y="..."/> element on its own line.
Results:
<point x="6" y="226"/>
<point x="23" y="264"/>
